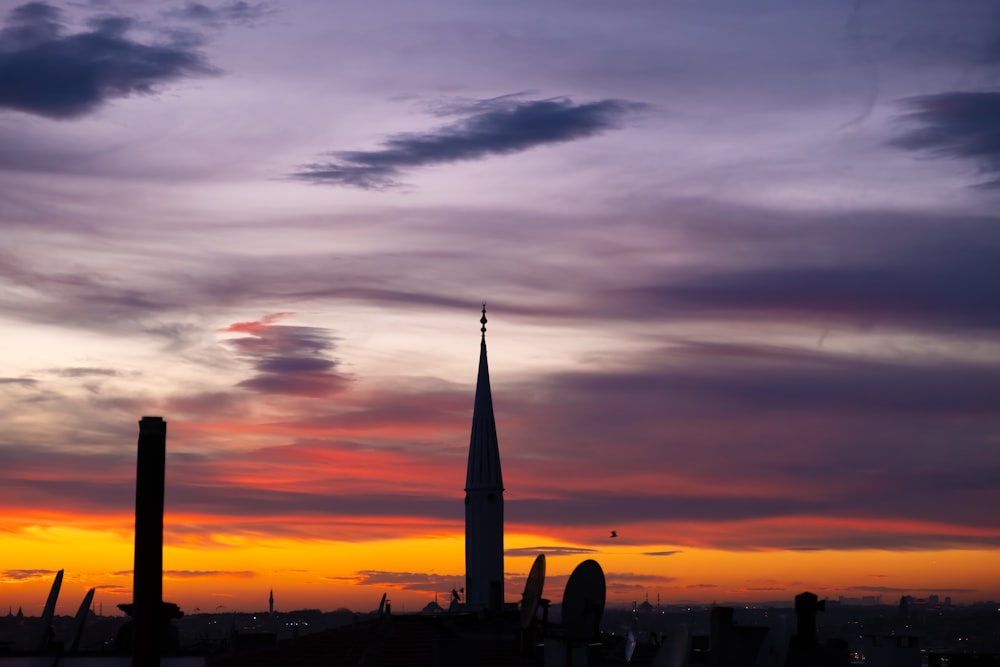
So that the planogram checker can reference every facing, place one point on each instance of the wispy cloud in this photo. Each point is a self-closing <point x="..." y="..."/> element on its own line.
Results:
<point x="221" y="14"/>
<point x="549" y="551"/>
<point x="48" y="72"/>
<point x="24" y="382"/>
<point x="212" y="574"/>
<point x="23" y="576"/>
<point x="80" y="371"/>
<point x="498" y="126"/>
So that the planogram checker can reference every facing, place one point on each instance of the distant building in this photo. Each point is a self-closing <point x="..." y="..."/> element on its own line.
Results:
<point x="483" y="498"/>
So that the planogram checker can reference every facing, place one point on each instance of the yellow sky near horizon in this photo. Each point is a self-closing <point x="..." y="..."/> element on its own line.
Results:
<point x="238" y="573"/>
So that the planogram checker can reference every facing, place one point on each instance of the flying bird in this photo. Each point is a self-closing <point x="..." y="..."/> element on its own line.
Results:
<point x="614" y="533"/>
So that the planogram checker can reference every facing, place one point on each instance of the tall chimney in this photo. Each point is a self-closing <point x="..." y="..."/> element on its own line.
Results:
<point x="147" y="576"/>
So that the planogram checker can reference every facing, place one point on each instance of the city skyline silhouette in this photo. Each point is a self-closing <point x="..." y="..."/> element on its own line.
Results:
<point x="741" y="268"/>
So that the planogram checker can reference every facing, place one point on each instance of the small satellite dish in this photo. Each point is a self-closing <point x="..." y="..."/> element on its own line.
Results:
<point x="532" y="591"/>
<point x="630" y="642"/>
<point x="583" y="601"/>
<point x="774" y="650"/>
<point x="674" y="652"/>
<point x="49" y="613"/>
<point x="81" y="619"/>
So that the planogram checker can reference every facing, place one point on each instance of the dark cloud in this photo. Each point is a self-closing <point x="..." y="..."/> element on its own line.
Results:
<point x="46" y="72"/>
<point x="909" y="272"/>
<point x="498" y="126"/>
<point x="957" y="124"/>
<point x="288" y="359"/>
<point x="24" y="575"/>
<point x="411" y="581"/>
<point x="661" y="553"/>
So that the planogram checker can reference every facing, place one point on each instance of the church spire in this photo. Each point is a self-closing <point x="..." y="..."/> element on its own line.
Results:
<point x="483" y="497"/>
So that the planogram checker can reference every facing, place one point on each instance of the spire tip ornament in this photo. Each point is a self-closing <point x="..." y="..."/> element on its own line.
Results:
<point x="482" y="320"/>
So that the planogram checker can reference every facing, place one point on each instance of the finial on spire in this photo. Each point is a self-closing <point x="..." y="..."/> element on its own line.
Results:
<point x="482" y="320"/>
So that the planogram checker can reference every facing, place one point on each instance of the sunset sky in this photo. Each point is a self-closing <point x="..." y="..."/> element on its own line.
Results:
<point x="741" y="259"/>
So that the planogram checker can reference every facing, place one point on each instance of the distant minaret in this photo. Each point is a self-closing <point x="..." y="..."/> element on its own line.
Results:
<point x="483" y="498"/>
<point x="270" y="603"/>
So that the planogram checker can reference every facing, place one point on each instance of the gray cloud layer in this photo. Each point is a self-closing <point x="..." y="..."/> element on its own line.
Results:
<point x="858" y="440"/>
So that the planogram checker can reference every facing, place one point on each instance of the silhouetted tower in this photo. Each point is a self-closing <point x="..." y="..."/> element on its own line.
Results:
<point x="147" y="576"/>
<point x="483" y="498"/>
<point x="270" y="603"/>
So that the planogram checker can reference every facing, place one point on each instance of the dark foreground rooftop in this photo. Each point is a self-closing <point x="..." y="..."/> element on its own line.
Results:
<point x="438" y="640"/>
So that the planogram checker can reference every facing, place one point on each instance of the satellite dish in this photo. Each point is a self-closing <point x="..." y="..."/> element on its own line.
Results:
<point x="381" y="605"/>
<point x="583" y="601"/>
<point x="532" y="591"/>
<point x="631" y="639"/>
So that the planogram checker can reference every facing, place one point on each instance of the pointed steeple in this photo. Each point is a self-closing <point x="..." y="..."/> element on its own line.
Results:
<point x="484" y="451"/>
<point x="483" y="497"/>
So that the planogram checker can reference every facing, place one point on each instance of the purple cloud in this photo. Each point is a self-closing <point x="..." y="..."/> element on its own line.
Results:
<point x="46" y="72"/>
<point x="957" y="124"/>
<point x="288" y="359"/>
<point x="219" y="15"/>
<point x="498" y="126"/>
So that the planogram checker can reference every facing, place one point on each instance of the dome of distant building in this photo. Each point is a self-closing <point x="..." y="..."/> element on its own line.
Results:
<point x="432" y="608"/>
